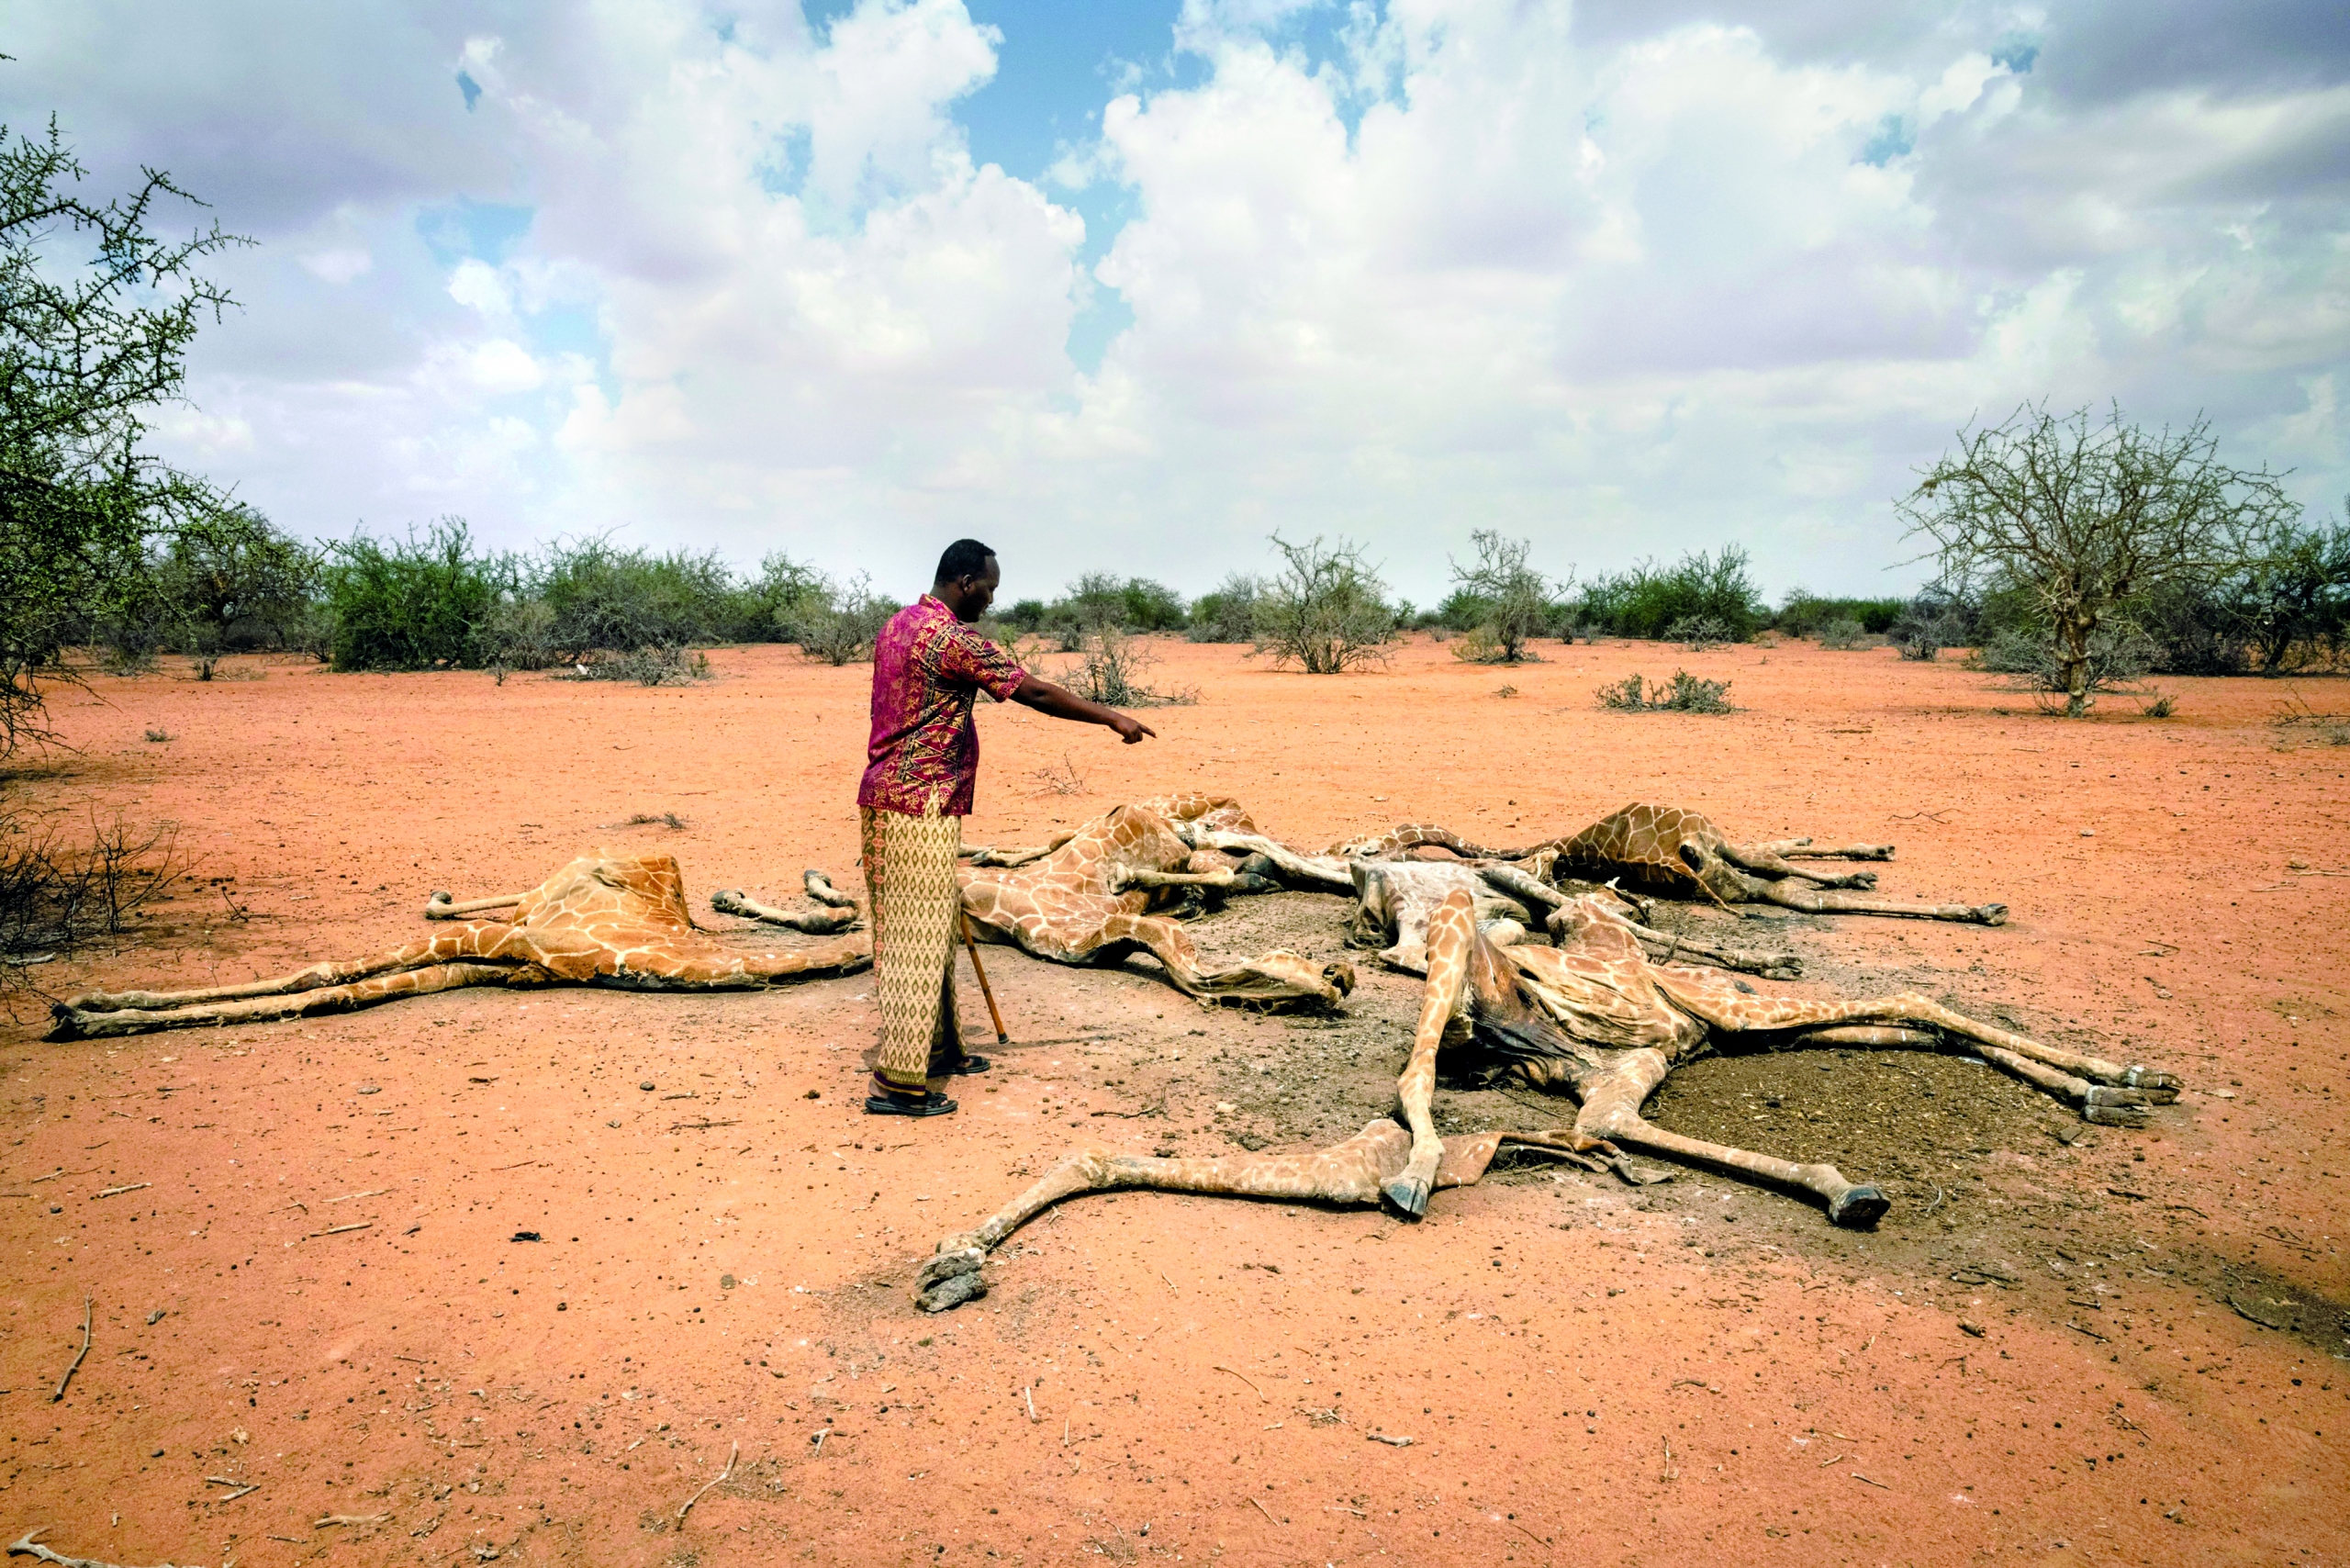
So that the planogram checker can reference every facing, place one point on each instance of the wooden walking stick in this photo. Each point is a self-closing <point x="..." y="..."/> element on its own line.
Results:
<point x="987" y="991"/>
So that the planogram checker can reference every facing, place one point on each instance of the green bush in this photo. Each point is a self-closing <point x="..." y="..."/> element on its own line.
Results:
<point x="246" y="587"/>
<point x="1842" y="634"/>
<point x="413" y="603"/>
<point x="839" y="622"/>
<point x="1803" y="613"/>
<point x="519" y="633"/>
<point x="1647" y="600"/>
<point x="627" y="599"/>
<point x="1227" y="615"/>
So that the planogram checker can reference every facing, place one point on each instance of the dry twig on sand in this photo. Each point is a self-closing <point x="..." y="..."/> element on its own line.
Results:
<point x="732" y="1450"/>
<point x="1243" y="1377"/>
<point x="28" y="1545"/>
<point x="78" y="1358"/>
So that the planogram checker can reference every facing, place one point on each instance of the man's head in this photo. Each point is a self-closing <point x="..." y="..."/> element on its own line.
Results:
<point x="967" y="580"/>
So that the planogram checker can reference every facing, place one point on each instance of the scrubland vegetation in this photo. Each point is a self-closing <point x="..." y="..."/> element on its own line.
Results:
<point x="2074" y="556"/>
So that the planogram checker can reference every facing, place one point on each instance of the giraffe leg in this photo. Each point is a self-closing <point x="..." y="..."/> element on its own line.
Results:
<point x="1305" y="870"/>
<point x="2106" y="1091"/>
<point x="1121" y="878"/>
<point x="75" y="1021"/>
<point x="445" y="906"/>
<point x="1611" y="1112"/>
<point x="1269" y="980"/>
<point x="1451" y="939"/>
<point x="1350" y="1172"/>
<point x="437" y="949"/>
<point x="1791" y="892"/>
<point x="981" y="855"/>
<point x="1671" y="946"/>
<point x="819" y="922"/>
<point x="1759" y="859"/>
<point x="1804" y="849"/>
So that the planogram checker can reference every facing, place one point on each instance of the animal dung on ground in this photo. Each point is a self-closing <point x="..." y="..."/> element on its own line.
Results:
<point x="527" y="1235"/>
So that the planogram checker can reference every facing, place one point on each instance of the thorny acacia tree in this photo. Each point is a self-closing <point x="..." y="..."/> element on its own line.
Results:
<point x="2084" y="518"/>
<point x="1326" y="611"/>
<point x="1516" y="598"/>
<point x="96" y="315"/>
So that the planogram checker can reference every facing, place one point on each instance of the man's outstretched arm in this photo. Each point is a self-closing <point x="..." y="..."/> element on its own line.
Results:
<point x="1061" y="703"/>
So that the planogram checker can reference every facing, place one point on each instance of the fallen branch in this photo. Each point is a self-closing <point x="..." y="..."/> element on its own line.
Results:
<point x="700" y="1126"/>
<point x="1878" y="1484"/>
<point x="1244" y="1377"/>
<point x="1391" y="1442"/>
<point x="732" y="1450"/>
<point x="28" y="1545"/>
<point x="1267" y="1512"/>
<point x="351" y="1519"/>
<point x="77" y="1362"/>
<point x="116" y="1192"/>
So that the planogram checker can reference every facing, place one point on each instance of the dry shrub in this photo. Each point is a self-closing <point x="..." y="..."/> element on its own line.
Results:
<point x="1699" y="633"/>
<point x="55" y="895"/>
<point x="646" y="666"/>
<point x="1113" y="671"/>
<point x="1062" y="780"/>
<point x="1687" y="694"/>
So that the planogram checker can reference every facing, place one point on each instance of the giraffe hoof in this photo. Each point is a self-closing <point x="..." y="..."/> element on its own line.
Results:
<point x="950" y="1278"/>
<point x="1858" y="1208"/>
<point x="2162" y="1088"/>
<point x="1408" y="1196"/>
<point x="1991" y="914"/>
<point x="2108" y="1096"/>
<point x="951" y="1291"/>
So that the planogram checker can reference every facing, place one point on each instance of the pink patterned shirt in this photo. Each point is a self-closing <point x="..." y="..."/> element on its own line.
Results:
<point x="928" y="668"/>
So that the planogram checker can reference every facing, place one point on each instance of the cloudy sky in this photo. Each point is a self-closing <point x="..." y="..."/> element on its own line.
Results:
<point x="1129" y="285"/>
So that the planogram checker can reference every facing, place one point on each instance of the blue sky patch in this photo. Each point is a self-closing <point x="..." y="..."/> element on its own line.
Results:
<point x="482" y="229"/>
<point x="1893" y="140"/>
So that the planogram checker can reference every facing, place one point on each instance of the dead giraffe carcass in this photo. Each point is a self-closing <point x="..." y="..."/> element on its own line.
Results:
<point x="1596" y="1017"/>
<point x="1096" y="894"/>
<point x="600" y="921"/>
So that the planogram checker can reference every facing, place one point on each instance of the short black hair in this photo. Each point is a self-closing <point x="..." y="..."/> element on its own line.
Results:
<point x="964" y="559"/>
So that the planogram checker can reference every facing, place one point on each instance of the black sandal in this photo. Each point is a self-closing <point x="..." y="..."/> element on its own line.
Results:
<point x="970" y="1065"/>
<point x="930" y="1102"/>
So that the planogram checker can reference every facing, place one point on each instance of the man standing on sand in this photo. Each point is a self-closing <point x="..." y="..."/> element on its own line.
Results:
<point x="928" y="667"/>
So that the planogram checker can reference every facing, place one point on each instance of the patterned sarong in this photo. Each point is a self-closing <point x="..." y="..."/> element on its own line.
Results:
<point x="909" y="881"/>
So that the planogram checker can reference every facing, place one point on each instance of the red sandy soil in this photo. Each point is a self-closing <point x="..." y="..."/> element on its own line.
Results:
<point x="1587" y="1372"/>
